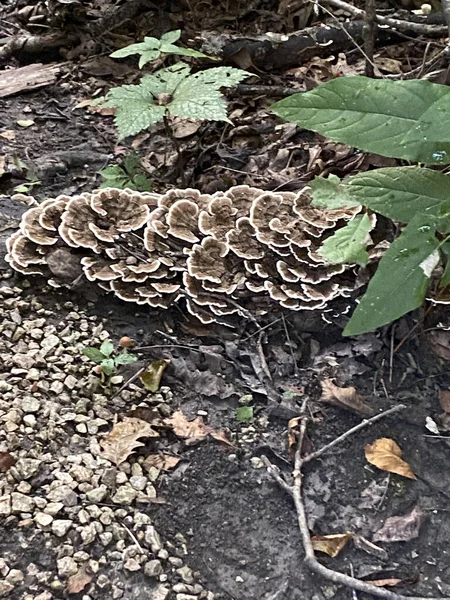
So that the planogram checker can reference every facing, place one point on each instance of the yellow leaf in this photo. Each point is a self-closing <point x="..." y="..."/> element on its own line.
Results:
<point x="386" y="455"/>
<point x="151" y="377"/>
<point x="123" y="439"/>
<point x="330" y="544"/>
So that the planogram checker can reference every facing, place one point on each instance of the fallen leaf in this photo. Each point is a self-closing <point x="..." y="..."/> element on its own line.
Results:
<point x="444" y="400"/>
<point x="330" y="544"/>
<point x="6" y="461"/>
<point x="244" y="414"/>
<point x="151" y="377"/>
<point x="9" y="135"/>
<point x="77" y="582"/>
<point x="346" y="398"/>
<point x="123" y="439"/>
<point x="362" y="544"/>
<point x="182" y="128"/>
<point x="149" y="414"/>
<point x="385" y="454"/>
<point x="431" y="425"/>
<point x="385" y="582"/>
<point x="164" y="462"/>
<point x="400" y="529"/>
<point x="195" y="431"/>
<point x="439" y="341"/>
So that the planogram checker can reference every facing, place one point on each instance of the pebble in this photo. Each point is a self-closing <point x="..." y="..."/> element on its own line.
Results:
<point x="125" y="495"/>
<point x="97" y="494"/>
<point x="5" y="588"/>
<point x="63" y="494"/>
<point x="153" y="539"/>
<point x="15" y="576"/>
<point x="153" y="568"/>
<point x="61" y="526"/>
<point x="42" y="520"/>
<point x="160" y="593"/>
<point x="27" y="467"/>
<point x="186" y="574"/>
<point x="5" y="505"/>
<point x="66" y="566"/>
<point x="21" y="503"/>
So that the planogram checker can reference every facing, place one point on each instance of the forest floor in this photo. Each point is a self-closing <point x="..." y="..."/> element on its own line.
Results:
<point x="194" y="513"/>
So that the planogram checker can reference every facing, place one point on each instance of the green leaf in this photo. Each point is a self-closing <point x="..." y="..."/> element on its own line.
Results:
<point x="125" y="358"/>
<point x="445" y="279"/>
<point x="244" y="414"/>
<point x="131" y="163"/>
<point x="147" y="56"/>
<point x="348" y="244"/>
<point x="142" y="183"/>
<point x="400" y="193"/>
<point x="220" y="77"/>
<point x="108" y="366"/>
<point x="402" y="119"/>
<point x="401" y="280"/>
<point x="94" y="354"/>
<point x="171" y="37"/>
<point x="331" y="193"/>
<point x="189" y="52"/>
<point x="107" y="348"/>
<point x="193" y="101"/>
<point x="151" y="377"/>
<point x="134" y="49"/>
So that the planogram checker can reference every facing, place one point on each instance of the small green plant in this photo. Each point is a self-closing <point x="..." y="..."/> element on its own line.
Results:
<point x="244" y="414"/>
<point x="128" y="175"/>
<point x="152" y="48"/>
<point x="173" y="92"/>
<point x="409" y="120"/>
<point x="108" y="360"/>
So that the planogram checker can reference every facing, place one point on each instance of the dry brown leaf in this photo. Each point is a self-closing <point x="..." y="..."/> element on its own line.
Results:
<point x="182" y="128"/>
<point x="439" y="341"/>
<point x="385" y="582"/>
<point x="330" y="544"/>
<point x="292" y="434"/>
<point x="347" y="398"/>
<point x="123" y="439"/>
<point x="164" y="462"/>
<point x="385" y="454"/>
<point x="77" y="582"/>
<point x="401" y="529"/>
<point x="8" y="134"/>
<point x="6" y="461"/>
<point x="444" y="399"/>
<point x="194" y="431"/>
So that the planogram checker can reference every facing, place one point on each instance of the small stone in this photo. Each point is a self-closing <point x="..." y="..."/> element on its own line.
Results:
<point x="175" y="561"/>
<point x="29" y="420"/>
<point x="61" y="526"/>
<point x="106" y="538"/>
<point x="23" y="361"/>
<point x="81" y="427"/>
<point x="131" y="564"/>
<point x="116" y="592"/>
<point x="186" y="574"/>
<point x="153" y="539"/>
<point x="63" y="494"/>
<point x="160" y="593"/>
<point x="5" y="588"/>
<point x="125" y="495"/>
<point x="42" y="520"/>
<point x="97" y="494"/>
<point x="5" y="505"/>
<point x="163" y="554"/>
<point x="28" y="467"/>
<point x="21" y="503"/>
<point x="153" y="568"/>
<point x="66" y="566"/>
<point x="138" y="482"/>
<point x="186" y="597"/>
<point x="57" y="387"/>
<point x="15" y="576"/>
<point x="44" y="596"/>
<point x="256" y="462"/>
<point x="33" y="374"/>
<point x="70" y="382"/>
<point x="80" y="473"/>
<point x="53" y="508"/>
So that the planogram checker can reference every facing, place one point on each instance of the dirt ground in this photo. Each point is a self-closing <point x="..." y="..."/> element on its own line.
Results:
<point x="217" y="525"/>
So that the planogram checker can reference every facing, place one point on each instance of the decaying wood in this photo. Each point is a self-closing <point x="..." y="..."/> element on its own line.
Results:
<point x="31" y="77"/>
<point x="35" y="44"/>
<point x="272" y="52"/>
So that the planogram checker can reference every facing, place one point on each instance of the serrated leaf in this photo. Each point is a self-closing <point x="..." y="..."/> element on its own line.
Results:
<point x="402" y="119"/>
<point x="123" y="439"/>
<point x="220" y="77"/>
<point x="193" y="101"/>
<point x="244" y="414"/>
<point x="348" y="244"/>
<point x="108" y="366"/>
<point x="191" y="52"/>
<point x="401" y="280"/>
<point x="125" y="358"/>
<point x="107" y="348"/>
<point x="400" y="193"/>
<point x="329" y="192"/>
<point x="141" y="183"/>
<point x="94" y="354"/>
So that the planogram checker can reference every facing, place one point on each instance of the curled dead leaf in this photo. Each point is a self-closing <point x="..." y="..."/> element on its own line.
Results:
<point x="194" y="431"/>
<point x="385" y="454"/>
<point x="151" y="377"/>
<point x="346" y="398"/>
<point x="330" y="544"/>
<point x="401" y="529"/>
<point x="6" y="461"/>
<point x="77" y="582"/>
<point x="164" y="462"/>
<point x="123" y="439"/>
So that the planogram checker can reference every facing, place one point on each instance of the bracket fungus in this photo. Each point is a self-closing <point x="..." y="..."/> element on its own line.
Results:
<point x="223" y="254"/>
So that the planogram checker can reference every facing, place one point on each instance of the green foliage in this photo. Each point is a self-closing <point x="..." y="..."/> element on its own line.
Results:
<point x="104" y="357"/>
<point x="152" y="48"/>
<point x="129" y="175"/>
<point x="404" y="119"/>
<point x="401" y="119"/>
<point x="348" y="244"/>
<point x="244" y="414"/>
<point x="172" y="91"/>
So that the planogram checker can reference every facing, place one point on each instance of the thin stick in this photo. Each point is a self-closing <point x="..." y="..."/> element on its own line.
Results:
<point x="369" y="37"/>
<point x="129" y="381"/>
<point x="291" y="350"/>
<point x="346" y="434"/>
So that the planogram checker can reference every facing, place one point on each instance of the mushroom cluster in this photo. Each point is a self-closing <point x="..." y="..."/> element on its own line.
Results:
<point x="225" y="253"/>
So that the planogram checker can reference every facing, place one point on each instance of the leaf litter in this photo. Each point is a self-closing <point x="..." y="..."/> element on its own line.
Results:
<point x="122" y="441"/>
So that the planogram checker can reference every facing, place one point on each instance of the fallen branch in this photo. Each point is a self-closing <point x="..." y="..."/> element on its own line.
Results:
<point x="294" y="489"/>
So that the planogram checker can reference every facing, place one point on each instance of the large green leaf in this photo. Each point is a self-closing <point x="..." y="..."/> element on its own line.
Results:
<point x="401" y="280"/>
<point x="220" y="77"/>
<point x="400" y="193"/>
<point x="348" y="244"/>
<point x="402" y="119"/>
<point x="331" y="193"/>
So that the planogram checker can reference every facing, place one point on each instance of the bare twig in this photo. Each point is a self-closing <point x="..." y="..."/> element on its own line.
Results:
<point x="128" y="382"/>
<point x="295" y="490"/>
<point x="369" y="37"/>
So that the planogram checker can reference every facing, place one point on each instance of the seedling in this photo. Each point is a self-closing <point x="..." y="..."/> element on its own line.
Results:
<point x="128" y="175"/>
<point x="107" y="361"/>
